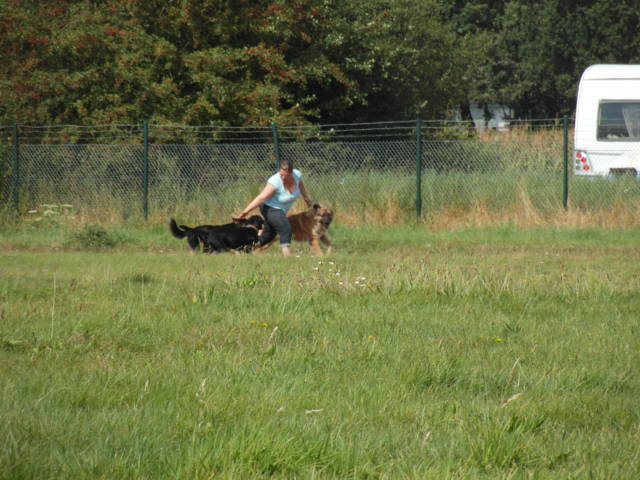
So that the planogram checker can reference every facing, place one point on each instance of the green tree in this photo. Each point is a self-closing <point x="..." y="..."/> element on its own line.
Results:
<point x="75" y="62"/>
<point x="225" y="61"/>
<point x="404" y="58"/>
<point x="212" y="61"/>
<point x="262" y="65"/>
<point x="530" y="55"/>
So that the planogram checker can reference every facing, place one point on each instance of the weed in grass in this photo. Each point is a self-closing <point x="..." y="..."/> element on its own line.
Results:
<point x="142" y="278"/>
<point x="93" y="237"/>
<point x="502" y="444"/>
<point x="433" y="375"/>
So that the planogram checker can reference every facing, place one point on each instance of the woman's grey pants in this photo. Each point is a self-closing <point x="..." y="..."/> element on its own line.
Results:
<point x="275" y="222"/>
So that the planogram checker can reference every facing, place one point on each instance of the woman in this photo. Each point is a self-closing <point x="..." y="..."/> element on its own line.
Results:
<point x="281" y="190"/>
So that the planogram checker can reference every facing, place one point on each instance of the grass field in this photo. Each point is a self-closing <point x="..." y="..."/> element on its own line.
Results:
<point x="478" y="353"/>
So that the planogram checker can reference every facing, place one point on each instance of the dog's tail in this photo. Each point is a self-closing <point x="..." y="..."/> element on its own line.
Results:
<point x="175" y="230"/>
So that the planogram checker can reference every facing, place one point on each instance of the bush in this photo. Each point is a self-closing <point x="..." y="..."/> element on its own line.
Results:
<point x="94" y="237"/>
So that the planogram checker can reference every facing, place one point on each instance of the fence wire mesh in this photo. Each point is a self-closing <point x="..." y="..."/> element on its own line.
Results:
<point x="7" y="169"/>
<point x="362" y="170"/>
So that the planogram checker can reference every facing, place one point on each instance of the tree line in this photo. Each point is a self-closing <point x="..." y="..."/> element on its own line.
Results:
<point x="253" y="62"/>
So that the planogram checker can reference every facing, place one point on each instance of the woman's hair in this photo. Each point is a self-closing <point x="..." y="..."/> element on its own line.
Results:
<point x="286" y="165"/>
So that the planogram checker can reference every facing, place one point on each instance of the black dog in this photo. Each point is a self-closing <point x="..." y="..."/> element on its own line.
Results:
<point x="239" y="235"/>
<point x="240" y="238"/>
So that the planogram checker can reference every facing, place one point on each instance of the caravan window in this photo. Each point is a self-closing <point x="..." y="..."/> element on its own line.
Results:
<point x="619" y="121"/>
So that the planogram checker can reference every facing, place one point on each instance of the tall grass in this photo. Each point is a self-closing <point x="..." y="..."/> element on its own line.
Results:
<point x="496" y="178"/>
<point x="486" y="353"/>
<point x="449" y="201"/>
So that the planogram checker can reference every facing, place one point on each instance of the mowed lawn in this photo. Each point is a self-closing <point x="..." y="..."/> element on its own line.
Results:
<point x="488" y="353"/>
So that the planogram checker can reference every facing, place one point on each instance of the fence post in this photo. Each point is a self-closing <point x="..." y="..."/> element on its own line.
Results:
<point x="418" y="168"/>
<point x="565" y="161"/>
<point x="276" y="143"/>
<point x="15" y="169"/>
<point x="145" y="157"/>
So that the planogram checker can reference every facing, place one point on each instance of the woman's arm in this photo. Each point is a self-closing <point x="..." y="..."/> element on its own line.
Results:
<point x="262" y="197"/>
<point x="304" y="193"/>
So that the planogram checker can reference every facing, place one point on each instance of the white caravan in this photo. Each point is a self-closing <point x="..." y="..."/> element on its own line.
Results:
<point x="607" y="127"/>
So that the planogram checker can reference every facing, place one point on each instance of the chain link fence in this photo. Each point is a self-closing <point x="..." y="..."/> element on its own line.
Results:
<point x="7" y="170"/>
<point x="370" y="172"/>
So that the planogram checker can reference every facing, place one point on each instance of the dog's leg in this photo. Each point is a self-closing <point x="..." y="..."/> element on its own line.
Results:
<point x="326" y="242"/>
<point x="262" y="248"/>
<point x="218" y="245"/>
<point x="315" y="247"/>
<point x="193" y="241"/>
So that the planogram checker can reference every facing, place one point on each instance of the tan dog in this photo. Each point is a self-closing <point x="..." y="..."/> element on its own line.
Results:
<point x="311" y="226"/>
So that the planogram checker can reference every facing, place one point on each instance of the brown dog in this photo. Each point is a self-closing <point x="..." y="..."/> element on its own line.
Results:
<point x="311" y="226"/>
